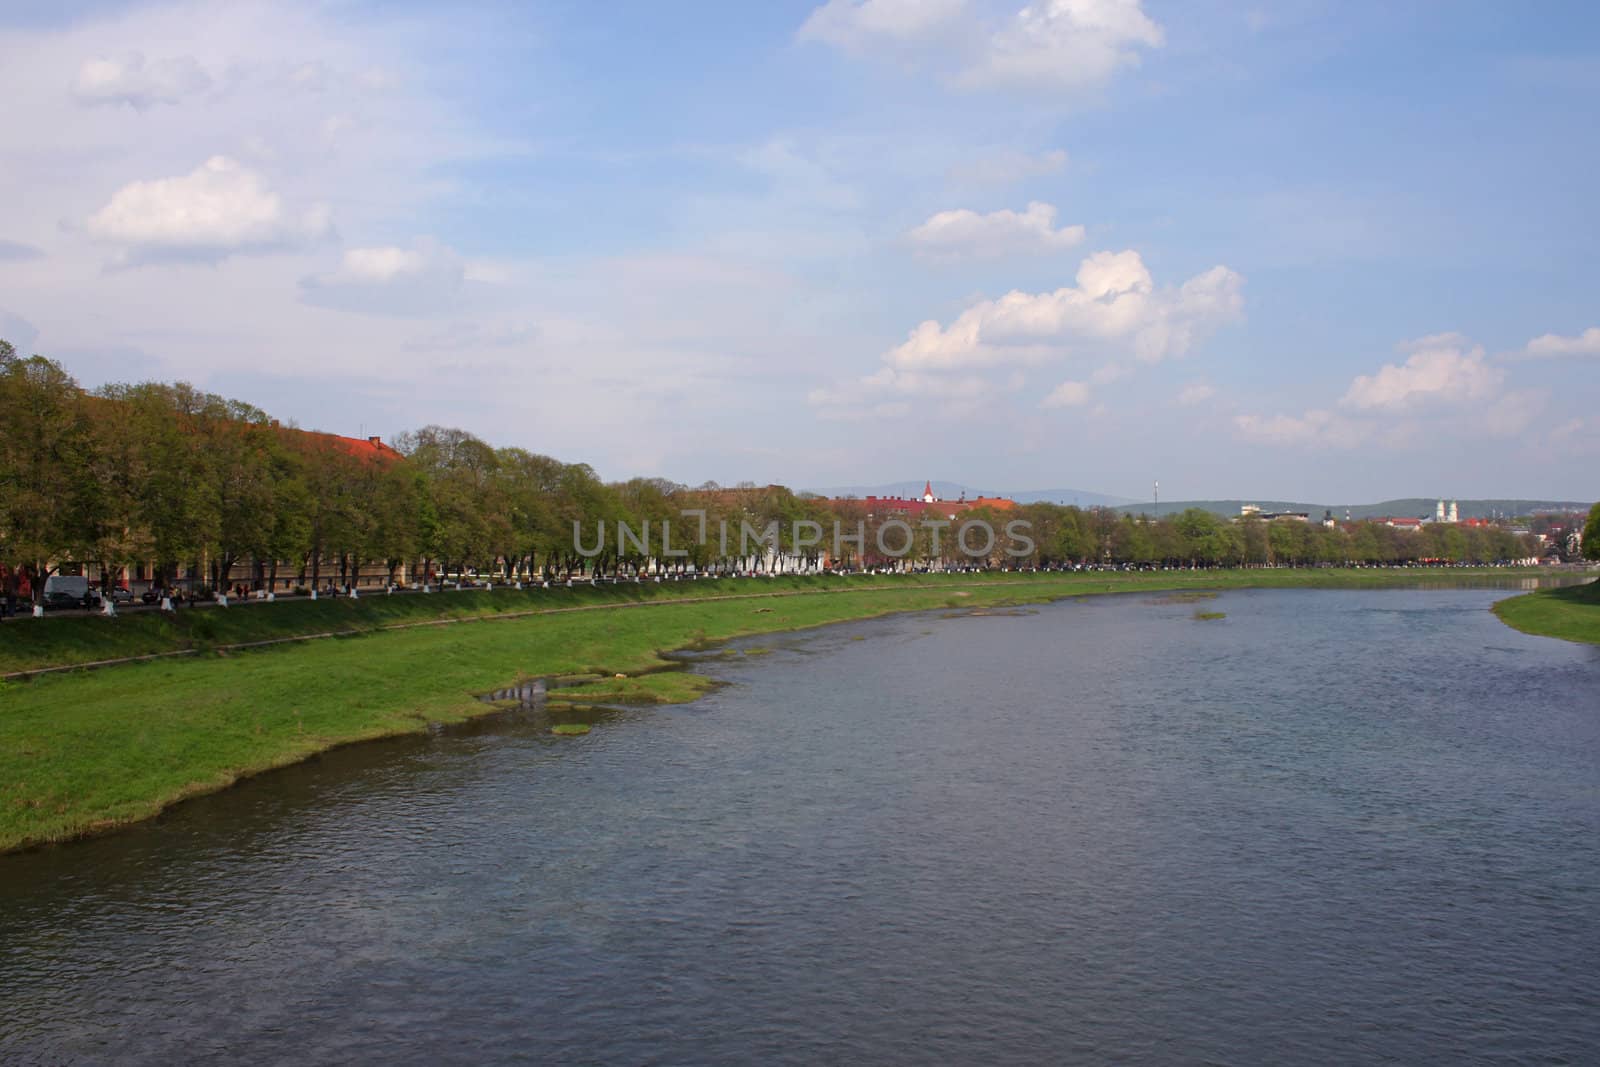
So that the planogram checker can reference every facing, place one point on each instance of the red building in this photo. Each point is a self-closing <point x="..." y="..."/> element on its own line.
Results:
<point x="928" y="505"/>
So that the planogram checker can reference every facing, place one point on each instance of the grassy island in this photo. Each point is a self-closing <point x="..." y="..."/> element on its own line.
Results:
<point x="1571" y="613"/>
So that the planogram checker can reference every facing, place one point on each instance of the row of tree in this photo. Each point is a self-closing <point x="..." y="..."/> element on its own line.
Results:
<point x="173" y="476"/>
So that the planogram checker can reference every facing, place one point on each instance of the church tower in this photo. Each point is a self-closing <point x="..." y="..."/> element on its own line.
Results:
<point x="927" y="493"/>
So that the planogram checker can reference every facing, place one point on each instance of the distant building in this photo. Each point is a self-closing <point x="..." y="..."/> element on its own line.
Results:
<point x="929" y="504"/>
<point x="1253" y="511"/>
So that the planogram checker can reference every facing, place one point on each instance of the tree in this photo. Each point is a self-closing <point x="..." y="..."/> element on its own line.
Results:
<point x="468" y="523"/>
<point x="175" y="499"/>
<point x="239" y="447"/>
<point x="1591" y="534"/>
<point x="48" y="501"/>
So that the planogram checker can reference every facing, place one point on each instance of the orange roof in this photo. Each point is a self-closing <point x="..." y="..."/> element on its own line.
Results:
<point x="370" y="448"/>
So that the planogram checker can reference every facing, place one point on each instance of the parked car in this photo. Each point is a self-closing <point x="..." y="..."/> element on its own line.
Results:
<point x="68" y="591"/>
<point x="119" y="595"/>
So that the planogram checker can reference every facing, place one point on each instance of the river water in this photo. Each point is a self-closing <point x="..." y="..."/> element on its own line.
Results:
<point x="1331" y="827"/>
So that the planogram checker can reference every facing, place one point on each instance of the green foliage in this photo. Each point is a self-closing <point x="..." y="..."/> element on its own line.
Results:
<point x="176" y="476"/>
<point x="50" y="507"/>
<point x="1591" y="534"/>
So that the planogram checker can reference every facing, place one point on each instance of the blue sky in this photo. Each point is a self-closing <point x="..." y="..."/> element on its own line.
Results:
<point x="1327" y="251"/>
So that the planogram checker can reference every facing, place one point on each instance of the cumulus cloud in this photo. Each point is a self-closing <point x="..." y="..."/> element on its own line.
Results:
<point x="1008" y="166"/>
<point x="219" y="209"/>
<point x="1445" y="386"/>
<point x="1553" y="345"/>
<point x="130" y="80"/>
<point x="1195" y="393"/>
<point x="1115" y="310"/>
<point x="1064" y="44"/>
<point x="389" y="280"/>
<point x="1115" y="303"/>
<point x="963" y="233"/>
<point x="1050" y="45"/>
<point x="1067" y="395"/>
<point x="1443" y="368"/>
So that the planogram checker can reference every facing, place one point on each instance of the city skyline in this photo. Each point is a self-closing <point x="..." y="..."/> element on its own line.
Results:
<point x="1312" y="251"/>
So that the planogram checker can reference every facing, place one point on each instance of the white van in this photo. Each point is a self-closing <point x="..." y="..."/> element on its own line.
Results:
<point x="66" y="590"/>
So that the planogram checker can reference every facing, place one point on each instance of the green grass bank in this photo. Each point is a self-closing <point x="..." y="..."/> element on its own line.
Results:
<point x="32" y="644"/>
<point x="1571" y="613"/>
<point x="89" y="750"/>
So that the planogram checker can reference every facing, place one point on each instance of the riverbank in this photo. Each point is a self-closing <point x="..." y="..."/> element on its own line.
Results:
<point x="52" y="643"/>
<point x="1571" y="613"/>
<point x="89" y="751"/>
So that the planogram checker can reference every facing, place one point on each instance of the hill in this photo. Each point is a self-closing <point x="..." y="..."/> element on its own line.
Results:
<point x="951" y="491"/>
<point x="1413" y="507"/>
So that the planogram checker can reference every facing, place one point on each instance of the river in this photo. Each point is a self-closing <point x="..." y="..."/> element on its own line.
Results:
<point x="1331" y="826"/>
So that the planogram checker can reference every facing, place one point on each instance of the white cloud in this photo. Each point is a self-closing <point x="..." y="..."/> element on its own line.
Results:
<point x="1445" y="389"/>
<point x="1442" y="369"/>
<point x="380" y="265"/>
<point x="132" y="81"/>
<point x="1064" y="44"/>
<point x="389" y="280"/>
<point x="1549" y="345"/>
<point x="951" y="234"/>
<point x="855" y="25"/>
<point x="1115" y="303"/>
<point x="1114" y="310"/>
<point x="1067" y="395"/>
<point x="1195" y="393"/>
<point x="1007" y="166"/>
<point x="1058" y="46"/>
<point x="219" y="209"/>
